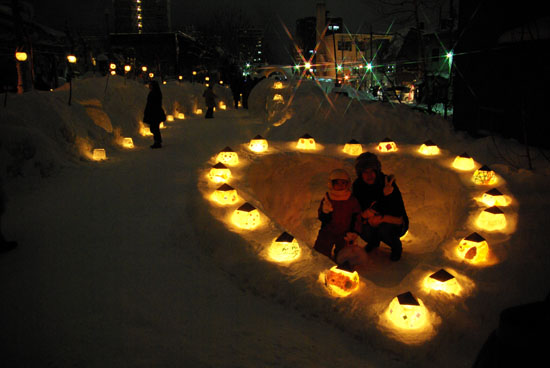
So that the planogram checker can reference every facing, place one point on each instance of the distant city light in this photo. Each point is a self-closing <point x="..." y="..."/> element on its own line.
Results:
<point x="369" y="66"/>
<point x="71" y="59"/>
<point x="307" y="65"/>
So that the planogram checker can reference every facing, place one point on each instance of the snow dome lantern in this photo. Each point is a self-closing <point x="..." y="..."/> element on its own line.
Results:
<point x="99" y="154"/>
<point x="353" y="148"/>
<point x="228" y="156"/>
<point x="285" y="248"/>
<point x="494" y="197"/>
<point x="341" y="282"/>
<point x="258" y="144"/>
<point x="246" y="217"/>
<point x="484" y="176"/>
<point x="127" y="142"/>
<point x="306" y="142"/>
<point x="492" y="219"/>
<point x="464" y="162"/>
<point x="219" y="173"/>
<point x="278" y="85"/>
<point x="473" y="248"/>
<point x="223" y="106"/>
<point x="169" y="117"/>
<point x="429" y="148"/>
<point x="198" y="111"/>
<point x="442" y="281"/>
<point x="407" y="312"/>
<point x="387" y="145"/>
<point x="181" y="115"/>
<point x="278" y="98"/>
<point x="225" y="194"/>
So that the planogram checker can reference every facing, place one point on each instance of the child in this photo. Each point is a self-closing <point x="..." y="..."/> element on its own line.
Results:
<point x="338" y="212"/>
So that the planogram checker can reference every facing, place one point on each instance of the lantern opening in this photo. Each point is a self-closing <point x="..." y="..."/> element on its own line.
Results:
<point x="219" y="173"/>
<point x="225" y="194"/>
<point x="285" y="248"/>
<point x="246" y="217"/>
<point x="484" y="176"/>
<point x="99" y="154"/>
<point x="353" y="148"/>
<point x="464" y="162"/>
<point x="258" y="144"/>
<point x="429" y="148"/>
<point x="473" y="248"/>
<point x="407" y="312"/>
<point x="442" y="281"/>
<point x="341" y="282"/>
<point x="228" y="156"/>
<point x="306" y="142"/>
<point x="387" y="145"/>
<point x="492" y="219"/>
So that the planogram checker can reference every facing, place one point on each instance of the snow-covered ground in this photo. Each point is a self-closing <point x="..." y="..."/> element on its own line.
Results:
<point x="127" y="262"/>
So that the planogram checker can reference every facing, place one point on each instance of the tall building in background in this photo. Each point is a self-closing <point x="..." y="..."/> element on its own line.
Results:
<point x="251" y="48"/>
<point x="142" y="16"/>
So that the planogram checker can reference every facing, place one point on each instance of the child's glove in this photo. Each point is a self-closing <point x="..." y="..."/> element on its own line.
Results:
<point x="350" y="238"/>
<point x="327" y="205"/>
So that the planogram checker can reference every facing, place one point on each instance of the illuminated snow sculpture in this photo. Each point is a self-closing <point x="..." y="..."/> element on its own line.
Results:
<point x="284" y="248"/>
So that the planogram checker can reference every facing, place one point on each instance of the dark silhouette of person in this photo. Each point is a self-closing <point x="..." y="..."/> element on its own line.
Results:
<point x="210" y="100"/>
<point x="4" y="244"/>
<point x="154" y="113"/>
<point x="236" y="90"/>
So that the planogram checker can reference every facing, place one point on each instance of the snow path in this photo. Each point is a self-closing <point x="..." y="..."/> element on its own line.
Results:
<point x="104" y="273"/>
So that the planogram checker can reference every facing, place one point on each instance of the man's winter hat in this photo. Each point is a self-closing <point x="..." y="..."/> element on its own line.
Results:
<point x="367" y="160"/>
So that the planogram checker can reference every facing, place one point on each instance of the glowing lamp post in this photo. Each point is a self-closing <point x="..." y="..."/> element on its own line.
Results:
<point x="492" y="219"/>
<point x="72" y="60"/>
<point x="228" y="157"/>
<point x="494" y="197"/>
<point x="284" y="248"/>
<point x="219" y="173"/>
<point x="99" y="154"/>
<point x="258" y="144"/>
<point x="429" y="148"/>
<point x="246" y="217"/>
<point x="112" y="66"/>
<point x="225" y="195"/>
<point x="442" y="281"/>
<point x="151" y="75"/>
<point x="464" y="162"/>
<point x="353" y="148"/>
<point x="473" y="248"/>
<point x="306" y="142"/>
<point x="387" y="145"/>
<point x="21" y="56"/>
<point x="407" y="312"/>
<point x="341" y="282"/>
<point x="127" y="142"/>
<point x="484" y="176"/>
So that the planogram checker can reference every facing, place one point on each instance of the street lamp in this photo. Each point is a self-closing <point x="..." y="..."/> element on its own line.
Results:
<point x="72" y="60"/>
<point x="21" y="56"/>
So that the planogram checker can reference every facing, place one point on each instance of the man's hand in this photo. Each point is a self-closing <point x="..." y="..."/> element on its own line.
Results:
<point x="375" y="220"/>
<point x="388" y="185"/>
<point x="327" y="204"/>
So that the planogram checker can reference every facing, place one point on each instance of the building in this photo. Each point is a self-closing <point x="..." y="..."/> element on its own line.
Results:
<point x="142" y="16"/>
<point x="251" y="46"/>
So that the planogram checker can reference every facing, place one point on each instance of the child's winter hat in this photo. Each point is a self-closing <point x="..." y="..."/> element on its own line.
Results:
<point x="338" y="174"/>
<point x="367" y="160"/>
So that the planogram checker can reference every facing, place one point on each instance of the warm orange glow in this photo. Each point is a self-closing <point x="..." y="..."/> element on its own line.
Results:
<point x="161" y="125"/>
<point x="71" y="59"/>
<point x="219" y="173"/>
<point x="464" y="162"/>
<point x="21" y="56"/>
<point x="278" y="85"/>
<point x="306" y="142"/>
<point x="151" y="75"/>
<point x="127" y="68"/>
<point x="492" y="219"/>
<point x="279" y="98"/>
<point x="484" y="176"/>
<point x="228" y="157"/>
<point x="181" y="115"/>
<point x="225" y="195"/>
<point x="285" y="248"/>
<point x="99" y="154"/>
<point x="246" y="217"/>
<point x="341" y="282"/>
<point x="194" y="72"/>
<point x="198" y="111"/>
<point x="353" y="148"/>
<point x="429" y="148"/>
<point x="442" y="281"/>
<point x="494" y="197"/>
<point x="407" y="312"/>
<point x="223" y="106"/>
<point x="473" y="248"/>
<point x="144" y="130"/>
<point x="127" y="142"/>
<point x="144" y="68"/>
<point x="163" y="82"/>
<point x="258" y="144"/>
<point x="113" y="72"/>
<point x="240" y="104"/>
<point x="180" y="77"/>
<point x="387" y="145"/>
<point x="169" y="117"/>
<point x="112" y="66"/>
<point x="206" y="78"/>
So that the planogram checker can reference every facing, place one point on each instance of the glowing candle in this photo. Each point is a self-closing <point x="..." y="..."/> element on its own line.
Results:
<point x="246" y="217"/>
<point x="353" y="148"/>
<point x="258" y="144"/>
<point x="228" y="156"/>
<point x="464" y="162"/>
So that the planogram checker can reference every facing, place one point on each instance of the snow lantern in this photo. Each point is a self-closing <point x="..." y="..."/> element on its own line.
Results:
<point x="429" y="148"/>
<point x="278" y="98"/>
<point x="225" y="194"/>
<point x="494" y="197"/>
<point x="278" y="85"/>
<point x="387" y="145"/>
<point x="99" y="154"/>
<point x="127" y="142"/>
<point x="464" y="162"/>
<point x="246" y="217"/>
<point x="144" y="130"/>
<point x="223" y="106"/>
<point x="219" y="173"/>
<point x="407" y="312"/>
<point x="473" y="248"/>
<point x="258" y="144"/>
<point x="228" y="156"/>
<point x="198" y="111"/>
<point x="285" y="248"/>
<point x="484" y="176"/>
<point x="353" y="148"/>
<point x="492" y="219"/>
<point x="181" y="115"/>
<point x="161" y="125"/>
<point x="442" y="281"/>
<point x="169" y="117"/>
<point x="341" y="282"/>
<point x="306" y="142"/>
